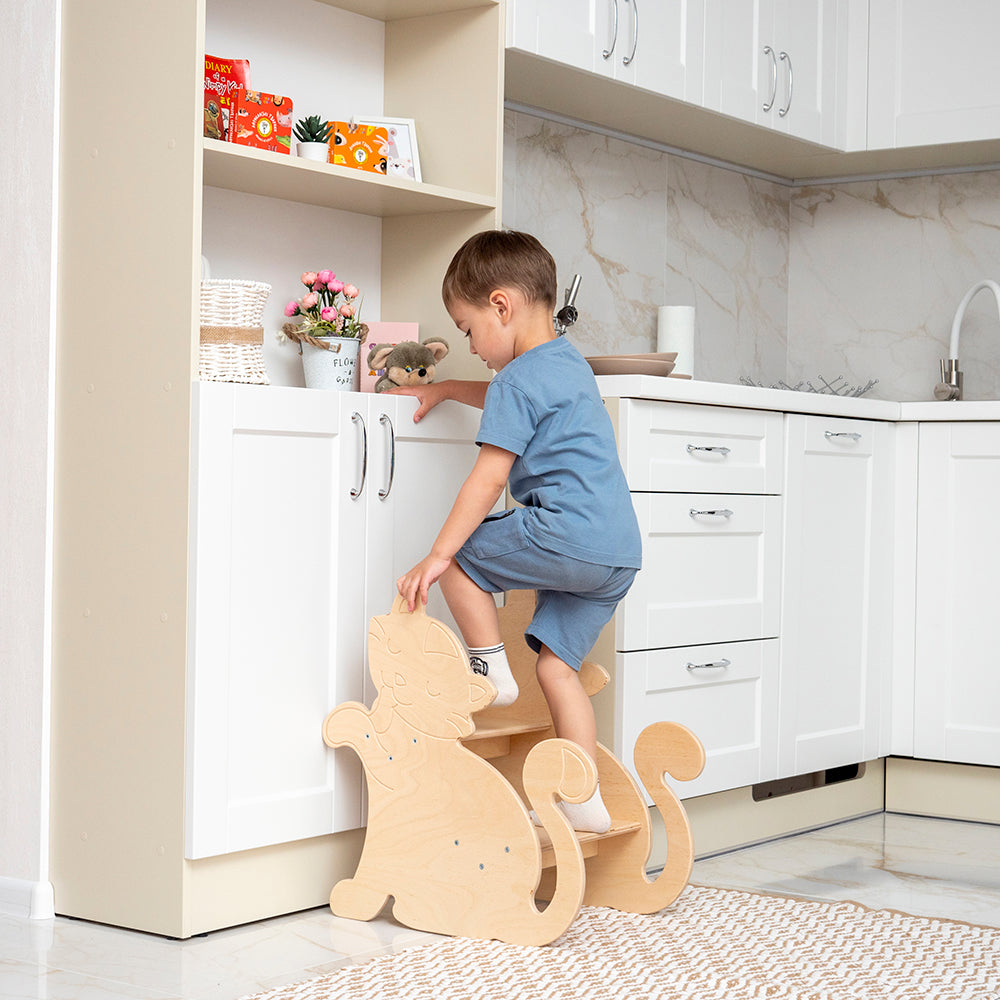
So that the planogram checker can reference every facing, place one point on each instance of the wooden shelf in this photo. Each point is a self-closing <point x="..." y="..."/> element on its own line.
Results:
<point x="492" y="739"/>
<point x="589" y="842"/>
<point x="278" y="175"/>
<point x="394" y="10"/>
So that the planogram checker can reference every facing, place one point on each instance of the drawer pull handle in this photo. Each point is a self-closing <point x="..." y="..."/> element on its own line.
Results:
<point x="725" y="512"/>
<point x="852" y="435"/>
<point x="717" y="665"/>
<point x="721" y="449"/>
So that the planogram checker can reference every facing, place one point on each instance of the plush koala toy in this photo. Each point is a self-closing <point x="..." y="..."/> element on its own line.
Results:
<point x="408" y="363"/>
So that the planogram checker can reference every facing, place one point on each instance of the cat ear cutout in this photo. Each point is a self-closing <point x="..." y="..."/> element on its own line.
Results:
<point x="439" y="640"/>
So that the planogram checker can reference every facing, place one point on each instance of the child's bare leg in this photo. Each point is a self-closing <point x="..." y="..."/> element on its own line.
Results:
<point x="573" y="718"/>
<point x="474" y="610"/>
<point x="475" y="613"/>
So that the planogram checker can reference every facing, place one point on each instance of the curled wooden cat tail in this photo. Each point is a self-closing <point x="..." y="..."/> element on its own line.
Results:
<point x="560" y="767"/>
<point x="670" y="747"/>
<point x="617" y="877"/>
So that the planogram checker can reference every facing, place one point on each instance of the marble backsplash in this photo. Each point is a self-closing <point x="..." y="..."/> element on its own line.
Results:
<point x="859" y="279"/>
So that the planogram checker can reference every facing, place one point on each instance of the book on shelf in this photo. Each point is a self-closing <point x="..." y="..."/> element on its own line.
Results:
<point x="224" y="78"/>
<point x="263" y="121"/>
<point x="362" y="147"/>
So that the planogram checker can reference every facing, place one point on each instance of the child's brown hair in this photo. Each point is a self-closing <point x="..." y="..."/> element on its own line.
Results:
<point x="500" y="259"/>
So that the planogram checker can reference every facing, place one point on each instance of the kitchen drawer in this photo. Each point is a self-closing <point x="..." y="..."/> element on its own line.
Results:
<point x="725" y="693"/>
<point x="835" y="436"/>
<point x="683" y="448"/>
<point x="711" y="571"/>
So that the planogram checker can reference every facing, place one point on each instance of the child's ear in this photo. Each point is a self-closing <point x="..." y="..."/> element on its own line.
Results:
<point x="500" y="300"/>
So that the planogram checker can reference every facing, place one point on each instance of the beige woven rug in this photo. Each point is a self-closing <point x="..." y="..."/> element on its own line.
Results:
<point x="712" y="944"/>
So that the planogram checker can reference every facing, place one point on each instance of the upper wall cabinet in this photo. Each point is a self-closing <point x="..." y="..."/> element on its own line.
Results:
<point x="934" y="76"/>
<point x="777" y="63"/>
<point x="655" y="45"/>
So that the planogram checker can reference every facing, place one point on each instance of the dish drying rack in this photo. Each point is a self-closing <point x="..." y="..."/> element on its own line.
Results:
<point x="836" y="387"/>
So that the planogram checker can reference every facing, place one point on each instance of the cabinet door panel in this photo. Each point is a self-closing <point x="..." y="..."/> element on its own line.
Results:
<point x="924" y="89"/>
<point x="408" y="503"/>
<point x="566" y="31"/>
<point x="836" y="593"/>
<point x="737" y="71"/>
<point x="707" y="577"/>
<point x="957" y="683"/>
<point x="725" y="693"/>
<point x="270" y="617"/>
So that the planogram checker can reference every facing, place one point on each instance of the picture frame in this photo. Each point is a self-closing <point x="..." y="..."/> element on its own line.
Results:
<point x="403" y="159"/>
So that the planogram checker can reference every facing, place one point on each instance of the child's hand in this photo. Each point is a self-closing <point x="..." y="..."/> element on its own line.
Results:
<point x="428" y="396"/>
<point x="418" y="581"/>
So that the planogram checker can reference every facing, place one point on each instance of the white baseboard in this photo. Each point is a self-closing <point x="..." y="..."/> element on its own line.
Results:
<point x="22" y="898"/>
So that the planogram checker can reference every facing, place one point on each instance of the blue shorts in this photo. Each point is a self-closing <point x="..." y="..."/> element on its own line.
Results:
<point x="574" y="599"/>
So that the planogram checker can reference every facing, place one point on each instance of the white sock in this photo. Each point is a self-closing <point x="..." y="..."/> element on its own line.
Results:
<point x="491" y="662"/>
<point x="586" y="817"/>
<point x="590" y="816"/>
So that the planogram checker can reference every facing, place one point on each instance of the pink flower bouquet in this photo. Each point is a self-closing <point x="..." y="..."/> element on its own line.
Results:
<point x="329" y="308"/>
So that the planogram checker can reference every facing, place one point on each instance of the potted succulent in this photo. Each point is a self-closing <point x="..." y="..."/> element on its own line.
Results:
<point x="313" y="134"/>
<point x="331" y="332"/>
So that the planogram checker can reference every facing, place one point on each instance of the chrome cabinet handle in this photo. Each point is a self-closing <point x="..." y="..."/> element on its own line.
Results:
<point x="359" y="489"/>
<point x="635" y="32"/>
<point x="386" y="422"/>
<point x="717" y="665"/>
<point x="724" y="512"/>
<point x="768" y="104"/>
<point x="850" y="435"/>
<point x="718" y="448"/>
<point x="785" y="57"/>
<point x="614" y="33"/>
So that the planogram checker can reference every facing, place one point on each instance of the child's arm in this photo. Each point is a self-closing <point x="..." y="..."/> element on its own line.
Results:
<point x="475" y="500"/>
<point x="470" y="393"/>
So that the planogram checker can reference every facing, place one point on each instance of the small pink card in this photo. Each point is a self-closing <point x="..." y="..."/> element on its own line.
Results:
<point x="383" y="333"/>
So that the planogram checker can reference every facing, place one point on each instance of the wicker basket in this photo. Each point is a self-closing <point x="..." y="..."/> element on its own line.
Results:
<point x="232" y="338"/>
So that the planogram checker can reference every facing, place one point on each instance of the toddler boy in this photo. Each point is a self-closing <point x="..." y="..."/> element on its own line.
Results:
<point x="545" y="432"/>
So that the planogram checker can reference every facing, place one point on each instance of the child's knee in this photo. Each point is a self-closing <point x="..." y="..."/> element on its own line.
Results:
<point x="550" y="668"/>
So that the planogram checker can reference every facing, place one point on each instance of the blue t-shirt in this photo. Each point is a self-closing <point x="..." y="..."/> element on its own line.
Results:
<point x="544" y="406"/>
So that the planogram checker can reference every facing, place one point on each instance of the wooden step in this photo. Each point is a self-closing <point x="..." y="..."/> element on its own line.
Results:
<point x="492" y="739"/>
<point x="590" y="843"/>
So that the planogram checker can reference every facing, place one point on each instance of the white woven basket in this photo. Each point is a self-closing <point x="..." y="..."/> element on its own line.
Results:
<point x="232" y="338"/>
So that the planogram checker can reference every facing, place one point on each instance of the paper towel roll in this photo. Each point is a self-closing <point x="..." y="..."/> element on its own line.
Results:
<point x="675" y="332"/>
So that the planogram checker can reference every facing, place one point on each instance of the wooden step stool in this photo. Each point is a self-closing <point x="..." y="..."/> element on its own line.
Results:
<point x="449" y="836"/>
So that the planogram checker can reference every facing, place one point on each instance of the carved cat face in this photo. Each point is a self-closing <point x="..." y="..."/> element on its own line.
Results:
<point x="420" y="665"/>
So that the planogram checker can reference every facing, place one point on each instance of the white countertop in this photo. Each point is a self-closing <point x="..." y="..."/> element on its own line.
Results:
<point x="785" y="400"/>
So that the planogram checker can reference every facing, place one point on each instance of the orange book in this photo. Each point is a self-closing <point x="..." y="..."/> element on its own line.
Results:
<point x="363" y="147"/>
<point x="263" y="121"/>
<point x="224" y="78"/>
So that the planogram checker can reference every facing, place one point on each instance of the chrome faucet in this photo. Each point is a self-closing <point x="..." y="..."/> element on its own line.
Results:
<point x="567" y="316"/>
<point x="950" y="386"/>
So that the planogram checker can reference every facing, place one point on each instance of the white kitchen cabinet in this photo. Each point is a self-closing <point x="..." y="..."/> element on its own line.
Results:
<point x="652" y="45"/>
<point x="306" y="507"/>
<point x="957" y="670"/>
<point x="836" y="620"/>
<point x="726" y="693"/>
<point x="695" y="637"/>
<point x="122" y="567"/>
<point x="934" y="75"/>
<point x="779" y="63"/>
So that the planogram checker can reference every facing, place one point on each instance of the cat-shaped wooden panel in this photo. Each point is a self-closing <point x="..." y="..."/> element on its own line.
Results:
<point x="448" y="837"/>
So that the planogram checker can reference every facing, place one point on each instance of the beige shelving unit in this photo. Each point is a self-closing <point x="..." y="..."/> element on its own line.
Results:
<point x="133" y="165"/>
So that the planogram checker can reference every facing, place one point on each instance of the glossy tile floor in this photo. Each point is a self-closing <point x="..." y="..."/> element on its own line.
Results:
<point x="925" y="866"/>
